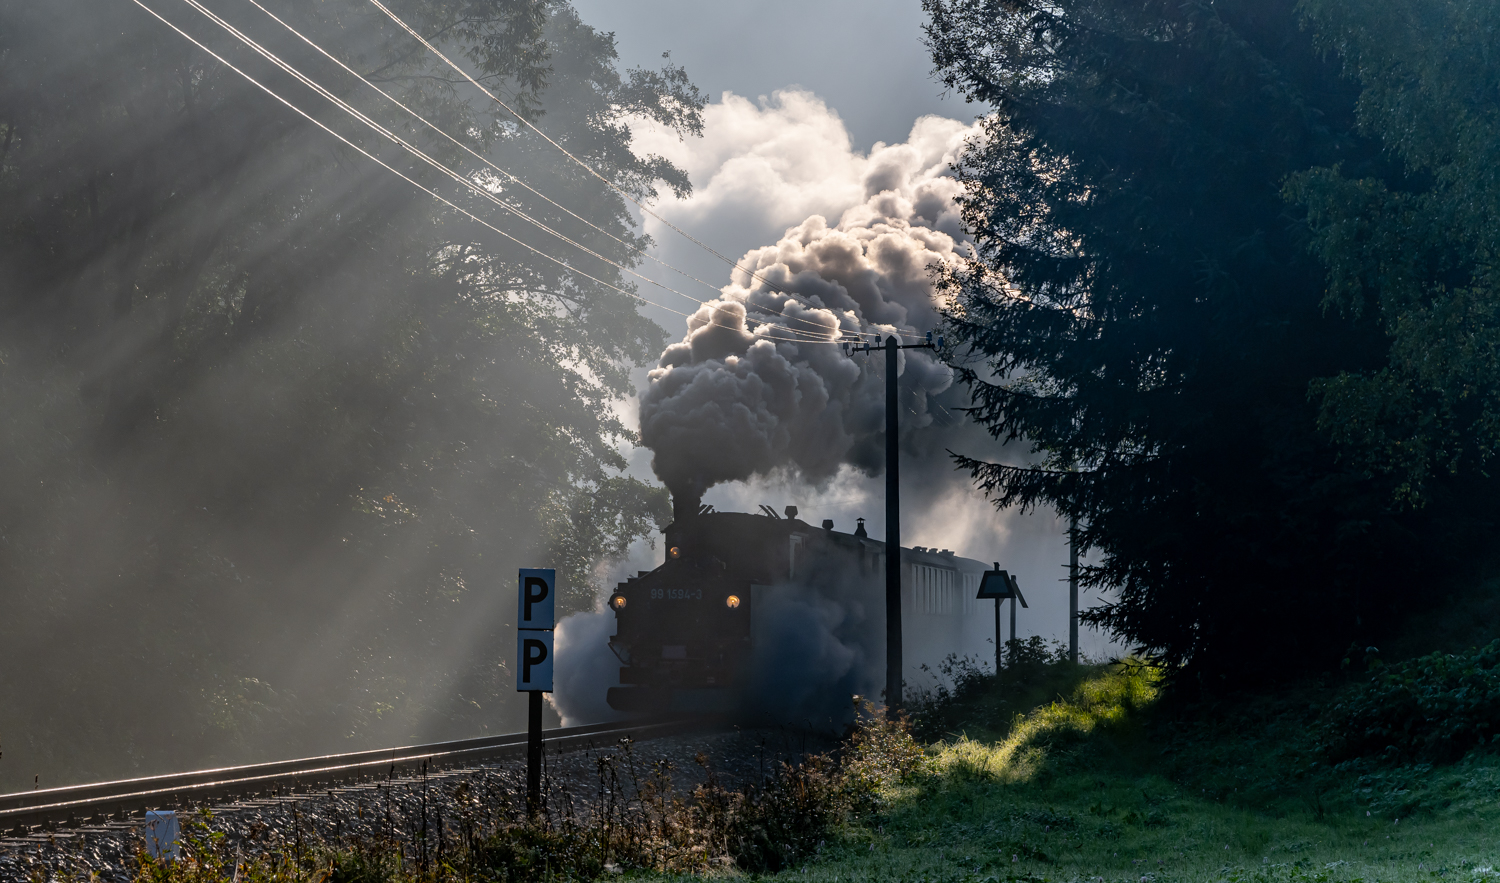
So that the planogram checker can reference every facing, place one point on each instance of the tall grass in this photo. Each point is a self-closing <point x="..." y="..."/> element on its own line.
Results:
<point x="637" y="819"/>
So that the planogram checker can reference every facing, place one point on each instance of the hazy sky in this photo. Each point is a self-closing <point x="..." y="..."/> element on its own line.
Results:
<point x="865" y="59"/>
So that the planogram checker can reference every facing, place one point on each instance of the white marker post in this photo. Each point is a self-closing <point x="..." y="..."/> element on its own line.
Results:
<point x="162" y="829"/>
<point x="536" y="611"/>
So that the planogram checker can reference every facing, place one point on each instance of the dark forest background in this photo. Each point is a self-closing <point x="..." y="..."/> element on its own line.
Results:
<point x="1235" y="279"/>
<point x="276" y="427"/>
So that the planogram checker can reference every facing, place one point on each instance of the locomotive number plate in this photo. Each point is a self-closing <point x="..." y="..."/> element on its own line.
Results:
<point x="677" y="594"/>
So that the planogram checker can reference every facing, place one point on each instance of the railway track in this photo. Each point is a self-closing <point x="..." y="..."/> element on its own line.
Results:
<point x="27" y="812"/>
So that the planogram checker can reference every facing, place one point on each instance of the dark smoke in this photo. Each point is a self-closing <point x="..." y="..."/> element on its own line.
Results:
<point x="760" y="384"/>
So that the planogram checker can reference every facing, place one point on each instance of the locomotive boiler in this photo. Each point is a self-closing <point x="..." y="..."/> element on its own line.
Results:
<point x="766" y="605"/>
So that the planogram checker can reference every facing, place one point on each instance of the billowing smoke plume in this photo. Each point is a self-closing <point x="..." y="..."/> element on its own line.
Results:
<point x="760" y="383"/>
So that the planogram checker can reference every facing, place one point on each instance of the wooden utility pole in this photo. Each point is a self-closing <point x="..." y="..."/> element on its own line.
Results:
<point x="893" y="513"/>
<point x="892" y="531"/>
<point x="1073" y="589"/>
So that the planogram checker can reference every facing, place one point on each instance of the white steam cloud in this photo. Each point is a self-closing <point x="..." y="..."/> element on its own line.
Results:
<point x="759" y="383"/>
<point x="584" y="668"/>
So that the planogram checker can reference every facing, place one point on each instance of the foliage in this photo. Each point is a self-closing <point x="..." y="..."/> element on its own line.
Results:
<point x="1106" y="698"/>
<point x="789" y="817"/>
<point x="639" y="820"/>
<point x="1433" y="708"/>
<point x="1143" y="309"/>
<point x="1109" y="780"/>
<point x="881" y="753"/>
<point x="1416" y="255"/>
<point x="275" y="424"/>
<point x="972" y="698"/>
<point x="1159" y="789"/>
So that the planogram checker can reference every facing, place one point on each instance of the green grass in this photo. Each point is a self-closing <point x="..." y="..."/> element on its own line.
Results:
<point x="1049" y="772"/>
<point x="1105" y="782"/>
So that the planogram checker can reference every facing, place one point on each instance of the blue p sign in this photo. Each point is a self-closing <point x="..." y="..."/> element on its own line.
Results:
<point x="534" y="660"/>
<point x="536" y="598"/>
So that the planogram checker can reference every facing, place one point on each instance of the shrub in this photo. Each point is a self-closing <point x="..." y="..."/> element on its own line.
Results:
<point x="1434" y="708"/>
<point x="880" y="752"/>
<point x="639" y="820"/>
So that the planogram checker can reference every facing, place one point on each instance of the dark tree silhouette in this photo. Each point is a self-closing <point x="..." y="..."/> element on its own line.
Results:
<point x="1143" y="306"/>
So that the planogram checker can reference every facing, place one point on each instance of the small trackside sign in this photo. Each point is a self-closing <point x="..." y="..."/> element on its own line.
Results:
<point x="536" y="608"/>
<point x="536" y="598"/>
<point x="534" y="661"/>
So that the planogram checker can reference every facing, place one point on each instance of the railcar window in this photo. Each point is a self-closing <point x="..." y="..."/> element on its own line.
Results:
<point x="969" y="590"/>
<point x="934" y="590"/>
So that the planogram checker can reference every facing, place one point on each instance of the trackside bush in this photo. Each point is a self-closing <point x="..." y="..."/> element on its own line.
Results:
<point x="880" y="753"/>
<point x="640" y="820"/>
<point x="1434" y="708"/>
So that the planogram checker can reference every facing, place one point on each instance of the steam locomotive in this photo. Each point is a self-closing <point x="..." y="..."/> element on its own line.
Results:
<point x="742" y="600"/>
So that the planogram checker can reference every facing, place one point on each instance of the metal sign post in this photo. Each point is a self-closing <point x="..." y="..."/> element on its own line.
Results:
<point x="535" y="618"/>
<point x="999" y="585"/>
<point x="1015" y="595"/>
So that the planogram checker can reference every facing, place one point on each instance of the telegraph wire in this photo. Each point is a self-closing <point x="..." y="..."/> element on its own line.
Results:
<point x="439" y="197"/>
<point x="511" y="176"/>
<point x="417" y="152"/>
<point x="806" y="338"/>
<point x="585" y="166"/>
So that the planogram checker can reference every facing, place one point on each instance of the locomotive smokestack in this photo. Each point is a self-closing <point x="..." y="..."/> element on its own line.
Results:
<point x="685" y="507"/>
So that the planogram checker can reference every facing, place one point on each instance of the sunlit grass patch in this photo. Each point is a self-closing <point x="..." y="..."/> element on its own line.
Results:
<point x="1102" y="782"/>
<point x="1104" y="700"/>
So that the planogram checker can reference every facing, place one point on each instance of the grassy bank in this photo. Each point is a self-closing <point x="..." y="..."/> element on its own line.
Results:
<point x="1105" y="783"/>
<point x="1049" y="772"/>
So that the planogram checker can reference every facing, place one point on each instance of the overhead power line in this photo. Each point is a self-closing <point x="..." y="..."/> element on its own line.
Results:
<point x="513" y="178"/>
<point x="439" y="197"/>
<point x="585" y="166"/>
<point x="420" y="154"/>
<point x="271" y="92"/>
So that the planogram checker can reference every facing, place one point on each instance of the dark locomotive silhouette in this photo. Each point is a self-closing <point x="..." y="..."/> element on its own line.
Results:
<point x="694" y="634"/>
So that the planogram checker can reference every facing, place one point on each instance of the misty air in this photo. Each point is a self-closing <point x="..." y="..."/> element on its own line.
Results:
<point x="543" y="440"/>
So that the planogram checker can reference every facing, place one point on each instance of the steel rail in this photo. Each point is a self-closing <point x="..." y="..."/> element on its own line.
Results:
<point x="72" y="805"/>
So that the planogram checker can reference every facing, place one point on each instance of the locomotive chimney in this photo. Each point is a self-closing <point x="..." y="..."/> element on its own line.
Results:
<point x="680" y="532"/>
<point x="685" y="507"/>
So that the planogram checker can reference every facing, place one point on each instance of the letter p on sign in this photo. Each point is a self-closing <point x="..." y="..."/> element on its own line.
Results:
<point x="535" y="615"/>
<point x="536" y="598"/>
<point x="534" y="661"/>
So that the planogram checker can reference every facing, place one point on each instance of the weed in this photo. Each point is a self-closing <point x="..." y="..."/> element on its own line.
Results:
<point x="637" y="820"/>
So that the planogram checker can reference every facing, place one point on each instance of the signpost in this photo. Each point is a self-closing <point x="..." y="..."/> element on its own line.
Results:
<point x="999" y="585"/>
<point x="536" y="608"/>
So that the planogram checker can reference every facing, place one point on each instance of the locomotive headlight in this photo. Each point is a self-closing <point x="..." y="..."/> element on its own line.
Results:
<point x="675" y="552"/>
<point x="617" y="602"/>
<point x="732" y="602"/>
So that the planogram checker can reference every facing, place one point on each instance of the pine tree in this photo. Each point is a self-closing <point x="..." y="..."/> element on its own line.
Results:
<point x="1143" y="308"/>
